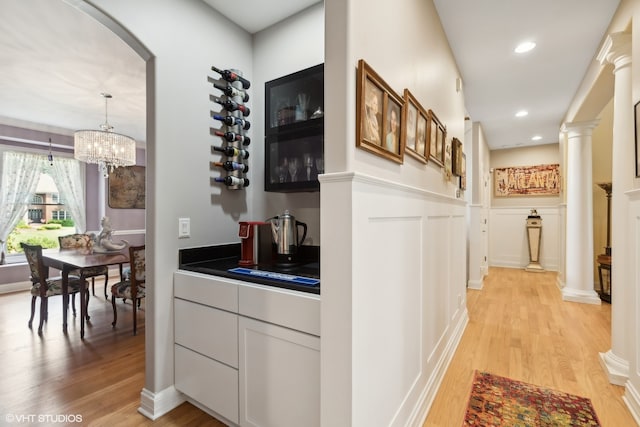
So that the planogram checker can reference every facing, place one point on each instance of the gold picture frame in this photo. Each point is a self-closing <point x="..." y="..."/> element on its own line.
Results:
<point x="456" y="163"/>
<point x="538" y="180"/>
<point x="437" y="133"/>
<point x="378" y="115"/>
<point x="414" y="126"/>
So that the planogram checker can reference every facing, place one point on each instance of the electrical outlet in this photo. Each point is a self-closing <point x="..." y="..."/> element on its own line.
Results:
<point x="184" y="228"/>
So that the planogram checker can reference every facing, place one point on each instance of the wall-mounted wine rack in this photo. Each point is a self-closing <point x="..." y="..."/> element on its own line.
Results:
<point x="234" y="125"/>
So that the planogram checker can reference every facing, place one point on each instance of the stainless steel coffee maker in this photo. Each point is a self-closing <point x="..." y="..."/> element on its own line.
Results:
<point x="284" y="229"/>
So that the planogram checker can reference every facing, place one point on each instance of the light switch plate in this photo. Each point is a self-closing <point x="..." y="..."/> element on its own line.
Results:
<point x="184" y="228"/>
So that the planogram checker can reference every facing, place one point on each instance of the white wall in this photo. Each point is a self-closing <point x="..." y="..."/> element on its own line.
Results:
<point x="393" y="236"/>
<point x="289" y="46"/>
<point x="185" y="38"/>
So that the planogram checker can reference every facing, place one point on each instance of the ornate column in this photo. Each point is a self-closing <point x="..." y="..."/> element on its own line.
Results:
<point x="579" y="228"/>
<point x="617" y="51"/>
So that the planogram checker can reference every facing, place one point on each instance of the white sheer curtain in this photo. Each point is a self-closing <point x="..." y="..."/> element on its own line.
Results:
<point x="20" y="175"/>
<point x="67" y="177"/>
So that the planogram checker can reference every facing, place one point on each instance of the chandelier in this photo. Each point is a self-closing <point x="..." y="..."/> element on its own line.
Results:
<point x="104" y="147"/>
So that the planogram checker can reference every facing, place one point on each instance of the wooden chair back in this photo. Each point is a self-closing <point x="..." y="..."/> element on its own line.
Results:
<point x="39" y="273"/>
<point x="138" y="267"/>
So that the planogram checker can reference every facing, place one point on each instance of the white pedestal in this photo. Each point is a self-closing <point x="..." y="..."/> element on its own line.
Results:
<point x="534" y="232"/>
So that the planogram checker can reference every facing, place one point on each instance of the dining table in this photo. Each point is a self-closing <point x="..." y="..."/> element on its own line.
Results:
<point x="67" y="260"/>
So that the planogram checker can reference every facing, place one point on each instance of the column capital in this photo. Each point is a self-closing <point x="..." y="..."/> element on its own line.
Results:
<point x="573" y="129"/>
<point x="616" y="50"/>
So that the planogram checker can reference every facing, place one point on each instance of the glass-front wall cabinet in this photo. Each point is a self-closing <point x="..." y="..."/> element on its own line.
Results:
<point x="294" y="131"/>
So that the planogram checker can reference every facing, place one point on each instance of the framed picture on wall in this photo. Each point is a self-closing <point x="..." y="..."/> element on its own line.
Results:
<point x="127" y="187"/>
<point x="414" y="125"/>
<point x="436" y="134"/>
<point x="378" y="115"/>
<point x="456" y="166"/>
<point x="637" y="125"/>
<point x="463" y="172"/>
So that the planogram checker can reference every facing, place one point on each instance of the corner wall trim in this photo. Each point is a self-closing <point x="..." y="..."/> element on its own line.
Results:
<point x="154" y="405"/>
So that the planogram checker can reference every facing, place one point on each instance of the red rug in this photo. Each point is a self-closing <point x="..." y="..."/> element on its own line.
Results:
<point x="498" y="401"/>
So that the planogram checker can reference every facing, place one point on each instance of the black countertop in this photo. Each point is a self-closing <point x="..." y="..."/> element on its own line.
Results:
<point x="218" y="260"/>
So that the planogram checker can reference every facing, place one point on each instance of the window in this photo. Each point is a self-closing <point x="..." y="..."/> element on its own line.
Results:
<point x="34" y="227"/>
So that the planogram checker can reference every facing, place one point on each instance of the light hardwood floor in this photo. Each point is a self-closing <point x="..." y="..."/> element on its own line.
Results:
<point x="519" y="327"/>
<point x="99" y="379"/>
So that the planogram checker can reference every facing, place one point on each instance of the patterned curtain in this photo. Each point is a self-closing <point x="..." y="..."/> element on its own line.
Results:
<point x="20" y="175"/>
<point x="67" y="175"/>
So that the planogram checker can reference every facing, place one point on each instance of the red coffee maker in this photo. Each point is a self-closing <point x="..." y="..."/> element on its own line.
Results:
<point x="249" y="244"/>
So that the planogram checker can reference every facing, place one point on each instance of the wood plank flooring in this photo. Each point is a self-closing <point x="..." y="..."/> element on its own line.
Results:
<point x="519" y="327"/>
<point x="99" y="379"/>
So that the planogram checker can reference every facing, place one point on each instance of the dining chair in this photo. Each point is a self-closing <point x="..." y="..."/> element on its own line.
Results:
<point x="134" y="288"/>
<point x="44" y="286"/>
<point x="84" y="241"/>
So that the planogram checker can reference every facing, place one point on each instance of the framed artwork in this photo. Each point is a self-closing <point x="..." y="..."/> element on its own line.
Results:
<point x="456" y="166"/>
<point x="437" y="134"/>
<point x="539" y="180"/>
<point x="463" y="170"/>
<point x="127" y="187"/>
<point x="636" y="109"/>
<point x="448" y="159"/>
<point x="378" y="116"/>
<point x="414" y="126"/>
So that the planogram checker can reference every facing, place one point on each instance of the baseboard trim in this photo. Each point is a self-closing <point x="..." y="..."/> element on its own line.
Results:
<point x="428" y="395"/>
<point x="15" y="287"/>
<point x="585" y="297"/>
<point x="617" y="369"/>
<point x="476" y="284"/>
<point x="154" y="405"/>
<point x="631" y="398"/>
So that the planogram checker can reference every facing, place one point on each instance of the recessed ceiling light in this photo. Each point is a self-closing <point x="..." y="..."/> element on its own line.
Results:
<point x="524" y="47"/>
<point x="536" y="138"/>
<point x="522" y="113"/>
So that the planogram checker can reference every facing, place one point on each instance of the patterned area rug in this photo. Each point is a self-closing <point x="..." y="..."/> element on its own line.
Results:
<point x="498" y="401"/>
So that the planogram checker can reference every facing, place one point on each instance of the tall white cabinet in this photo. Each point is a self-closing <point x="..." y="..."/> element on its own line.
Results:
<point x="248" y="354"/>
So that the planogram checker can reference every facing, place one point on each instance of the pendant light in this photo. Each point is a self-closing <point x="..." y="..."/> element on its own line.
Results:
<point x="104" y="147"/>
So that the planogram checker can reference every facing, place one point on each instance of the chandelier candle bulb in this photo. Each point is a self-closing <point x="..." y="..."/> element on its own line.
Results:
<point x="230" y="76"/>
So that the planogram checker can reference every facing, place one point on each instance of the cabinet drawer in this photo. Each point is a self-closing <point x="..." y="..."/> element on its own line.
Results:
<point x="295" y="310"/>
<point x="208" y="382"/>
<point x="206" y="289"/>
<point x="207" y="330"/>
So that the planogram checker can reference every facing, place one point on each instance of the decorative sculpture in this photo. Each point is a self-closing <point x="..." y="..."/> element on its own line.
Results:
<point x="103" y="242"/>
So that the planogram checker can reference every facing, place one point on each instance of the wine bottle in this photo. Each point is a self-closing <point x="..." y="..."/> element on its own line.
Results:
<point x="232" y="121"/>
<point x="232" y="152"/>
<point x="230" y="105"/>
<point x="232" y="166"/>
<point x="231" y="91"/>
<point x="230" y="76"/>
<point x="232" y="136"/>
<point x="232" y="181"/>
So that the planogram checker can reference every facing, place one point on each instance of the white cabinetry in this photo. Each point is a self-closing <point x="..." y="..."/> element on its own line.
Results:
<point x="249" y="353"/>
<point x="279" y="376"/>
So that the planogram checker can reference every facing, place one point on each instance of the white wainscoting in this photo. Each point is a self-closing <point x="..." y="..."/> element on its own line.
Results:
<point x="401" y="265"/>
<point x="508" y="245"/>
<point x="632" y="306"/>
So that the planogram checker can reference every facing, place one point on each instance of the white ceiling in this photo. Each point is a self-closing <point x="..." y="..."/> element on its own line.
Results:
<point x="52" y="71"/>
<point x="498" y="83"/>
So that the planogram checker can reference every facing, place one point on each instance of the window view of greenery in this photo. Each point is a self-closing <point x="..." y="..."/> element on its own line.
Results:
<point x="45" y="220"/>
